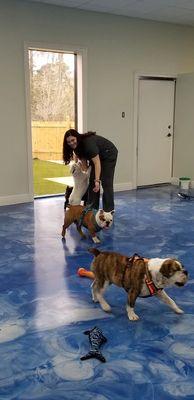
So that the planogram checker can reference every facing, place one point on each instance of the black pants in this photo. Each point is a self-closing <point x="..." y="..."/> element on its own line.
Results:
<point x="107" y="178"/>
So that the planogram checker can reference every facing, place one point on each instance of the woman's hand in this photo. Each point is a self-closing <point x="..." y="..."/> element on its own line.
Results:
<point x="97" y="168"/>
<point x="96" y="187"/>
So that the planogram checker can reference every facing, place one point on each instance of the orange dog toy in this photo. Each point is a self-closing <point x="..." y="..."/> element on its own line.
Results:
<point x="85" y="272"/>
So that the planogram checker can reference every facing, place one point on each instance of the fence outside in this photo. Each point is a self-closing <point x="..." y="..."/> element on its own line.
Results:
<point x="47" y="139"/>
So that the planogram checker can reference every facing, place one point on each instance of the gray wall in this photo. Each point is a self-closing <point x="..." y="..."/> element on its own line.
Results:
<point x="117" y="48"/>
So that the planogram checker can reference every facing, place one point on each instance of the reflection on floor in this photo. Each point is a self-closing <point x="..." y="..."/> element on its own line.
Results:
<point x="45" y="306"/>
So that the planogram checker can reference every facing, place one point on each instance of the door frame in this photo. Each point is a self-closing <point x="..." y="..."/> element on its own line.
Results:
<point x="81" y="90"/>
<point x="137" y="77"/>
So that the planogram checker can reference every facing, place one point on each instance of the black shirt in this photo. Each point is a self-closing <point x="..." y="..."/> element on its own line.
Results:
<point x="94" y="145"/>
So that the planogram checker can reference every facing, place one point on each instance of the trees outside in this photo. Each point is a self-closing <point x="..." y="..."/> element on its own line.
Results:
<point x="52" y="86"/>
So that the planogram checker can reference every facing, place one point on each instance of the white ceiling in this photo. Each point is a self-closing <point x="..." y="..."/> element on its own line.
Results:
<point x="173" y="11"/>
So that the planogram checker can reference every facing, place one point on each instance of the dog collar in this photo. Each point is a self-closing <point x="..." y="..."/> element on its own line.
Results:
<point x="96" y="226"/>
<point x="84" y="212"/>
<point x="153" y="289"/>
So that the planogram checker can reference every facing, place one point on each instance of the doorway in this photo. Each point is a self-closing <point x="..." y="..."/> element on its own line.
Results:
<point x="53" y="105"/>
<point x="155" y="119"/>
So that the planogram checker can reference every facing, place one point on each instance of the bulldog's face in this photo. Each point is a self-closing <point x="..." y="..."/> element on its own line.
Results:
<point x="104" y="219"/>
<point x="174" y="271"/>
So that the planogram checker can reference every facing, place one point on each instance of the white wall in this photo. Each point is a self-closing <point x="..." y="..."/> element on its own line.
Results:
<point x="184" y="127"/>
<point x="117" y="47"/>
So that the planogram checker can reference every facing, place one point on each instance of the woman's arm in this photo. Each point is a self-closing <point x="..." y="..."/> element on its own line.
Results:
<point x="97" y="168"/>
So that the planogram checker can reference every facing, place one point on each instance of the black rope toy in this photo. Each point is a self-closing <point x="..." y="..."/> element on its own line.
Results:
<point x="96" y="339"/>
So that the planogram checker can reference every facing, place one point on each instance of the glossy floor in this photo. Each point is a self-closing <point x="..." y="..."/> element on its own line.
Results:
<point x="45" y="306"/>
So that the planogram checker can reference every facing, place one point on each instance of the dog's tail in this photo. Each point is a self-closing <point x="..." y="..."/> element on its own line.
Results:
<point x="94" y="251"/>
<point x="94" y="354"/>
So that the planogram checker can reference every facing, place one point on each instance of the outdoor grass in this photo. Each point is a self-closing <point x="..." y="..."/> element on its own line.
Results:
<point x="46" y="169"/>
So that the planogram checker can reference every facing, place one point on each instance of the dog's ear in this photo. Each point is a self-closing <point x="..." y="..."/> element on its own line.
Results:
<point x="112" y="212"/>
<point x="101" y="211"/>
<point x="169" y="267"/>
<point x="94" y="251"/>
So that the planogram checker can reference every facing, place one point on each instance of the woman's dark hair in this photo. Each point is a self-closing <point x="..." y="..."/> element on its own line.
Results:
<point x="67" y="151"/>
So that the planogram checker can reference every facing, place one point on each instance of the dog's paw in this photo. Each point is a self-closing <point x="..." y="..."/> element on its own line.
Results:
<point x="179" y="311"/>
<point x="96" y="239"/>
<point x="95" y="300"/>
<point x="133" y="317"/>
<point x="63" y="232"/>
<point x="106" y="307"/>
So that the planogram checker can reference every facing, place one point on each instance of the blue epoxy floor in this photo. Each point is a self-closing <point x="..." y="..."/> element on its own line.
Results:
<point x="45" y="306"/>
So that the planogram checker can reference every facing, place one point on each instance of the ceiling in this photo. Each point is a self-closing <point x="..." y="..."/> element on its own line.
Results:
<point x="173" y="11"/>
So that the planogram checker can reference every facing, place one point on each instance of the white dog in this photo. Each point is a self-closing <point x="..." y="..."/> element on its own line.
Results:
<point x="81" y="182"/>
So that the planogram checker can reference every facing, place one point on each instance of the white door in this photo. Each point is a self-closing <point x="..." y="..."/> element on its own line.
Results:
<point x="155" y="131"/>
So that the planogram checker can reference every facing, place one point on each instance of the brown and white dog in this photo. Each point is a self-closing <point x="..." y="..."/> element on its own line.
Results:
<point x="139" y="277"/>
<point x="91" y="219"/>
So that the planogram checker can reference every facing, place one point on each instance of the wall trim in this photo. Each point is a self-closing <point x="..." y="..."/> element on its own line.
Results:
<point x="121" y="187"/>
<point x="28" y="198"/>
<point x="16" y="199"/>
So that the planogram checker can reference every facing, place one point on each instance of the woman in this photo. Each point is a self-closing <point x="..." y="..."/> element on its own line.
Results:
<point x="102" y="155"/>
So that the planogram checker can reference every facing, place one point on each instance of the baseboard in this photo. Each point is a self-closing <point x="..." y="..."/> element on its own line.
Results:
<point x="16" y="199"/>
<point x="26" y="198"/>
<point x="121" y="187"/>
